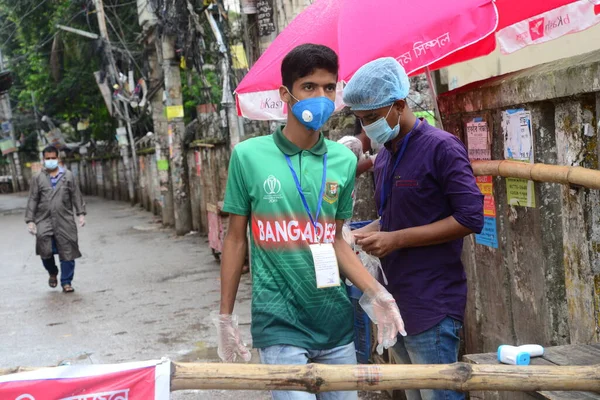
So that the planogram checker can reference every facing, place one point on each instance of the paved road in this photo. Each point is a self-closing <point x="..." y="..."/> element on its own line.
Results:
<point x="141" y="293"/>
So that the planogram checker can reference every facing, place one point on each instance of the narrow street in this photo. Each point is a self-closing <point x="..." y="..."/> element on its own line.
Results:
<point x="141" y="293"/>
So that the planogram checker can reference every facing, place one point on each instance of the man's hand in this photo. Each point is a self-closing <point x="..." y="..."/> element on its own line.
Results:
<point x="82" y="220"/>
<point x="378" y="244"/>
<point x="32" y="228"/>
<point x="229" y="339"/>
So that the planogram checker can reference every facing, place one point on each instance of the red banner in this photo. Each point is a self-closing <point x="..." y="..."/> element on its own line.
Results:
<point x="133" y="381"/>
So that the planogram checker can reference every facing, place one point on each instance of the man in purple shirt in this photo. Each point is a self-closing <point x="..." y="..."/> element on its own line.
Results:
<point x="428" y="201"/>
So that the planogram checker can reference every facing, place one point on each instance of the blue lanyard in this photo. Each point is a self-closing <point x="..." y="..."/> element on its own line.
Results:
<point x="314" y="220"/>
<point x="386" y="190"/>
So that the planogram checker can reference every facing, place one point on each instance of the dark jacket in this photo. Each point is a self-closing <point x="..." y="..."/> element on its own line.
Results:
<point x="52" y="212"/>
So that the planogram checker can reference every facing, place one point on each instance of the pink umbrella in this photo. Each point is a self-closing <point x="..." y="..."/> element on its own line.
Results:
<point x="419" y="34"/>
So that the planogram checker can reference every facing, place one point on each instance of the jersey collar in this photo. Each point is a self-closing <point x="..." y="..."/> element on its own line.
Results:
<point x="291" y="149"/>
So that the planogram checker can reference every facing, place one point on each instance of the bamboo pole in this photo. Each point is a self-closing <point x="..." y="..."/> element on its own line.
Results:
<point x="316" y="378"/>
<point x="585" y="177"/>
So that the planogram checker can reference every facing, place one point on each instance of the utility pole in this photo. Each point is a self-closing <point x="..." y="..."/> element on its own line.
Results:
<point x="233" y="121"/>
<point x="39" y="137"/>
<point x="161" y="137"/>
<point x="15" y="163"/>
<point x="179" y="173"/>
<point x="148" y="20"/>
<point x="113" y="73"/>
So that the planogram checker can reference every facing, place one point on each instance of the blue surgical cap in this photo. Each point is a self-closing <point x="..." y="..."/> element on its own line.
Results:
<point x="377" y="84"/>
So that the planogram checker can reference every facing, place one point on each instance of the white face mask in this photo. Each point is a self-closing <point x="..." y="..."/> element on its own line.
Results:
<point x="380" y="131"/>
<point x="51" y="165"/>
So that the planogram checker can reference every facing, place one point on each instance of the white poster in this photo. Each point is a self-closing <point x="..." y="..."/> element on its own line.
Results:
<point x="478" y="141"/>
<point x="518" y="141"/>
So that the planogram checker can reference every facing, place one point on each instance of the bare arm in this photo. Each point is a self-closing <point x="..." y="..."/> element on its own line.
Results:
<point x="350" y="265"/>
<point x="445" y="230"/>
<point x="381" y="244"/>
<point x="232" y="261"/>
<point x="363" y="166"/>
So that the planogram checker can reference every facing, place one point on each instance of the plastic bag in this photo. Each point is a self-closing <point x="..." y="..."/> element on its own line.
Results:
<point x="373" y="265"/>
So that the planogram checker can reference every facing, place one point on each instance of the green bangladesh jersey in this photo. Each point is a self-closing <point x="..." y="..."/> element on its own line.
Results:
<point x="287" y="307"/>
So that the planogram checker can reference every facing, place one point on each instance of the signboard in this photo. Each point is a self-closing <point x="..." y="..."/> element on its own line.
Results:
<point x="486" y="186"/>
<point x="518" y="146"/>
<point x="518" y="143"/>
<point x="149" y="380"/>
<point x="122" y="137"/>
<point x="174" y="112"/>
<point x="479" y="148"/>
<point x="7" y="146"/>
<point x="489" y="235"/>
<point x="478" y="141"/>
<point x="520" y="192"/>
<point x="6" y="127"/>
<point x="162" y="165"/>
<point x="265" y="17"/>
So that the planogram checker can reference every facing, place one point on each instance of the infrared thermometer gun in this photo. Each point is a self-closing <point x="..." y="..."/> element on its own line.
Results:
<point x="519" y="355"/>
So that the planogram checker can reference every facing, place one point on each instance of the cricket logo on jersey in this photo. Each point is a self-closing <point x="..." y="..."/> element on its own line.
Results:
<point x="272" y="188"/>
<point x="331" y="192"/>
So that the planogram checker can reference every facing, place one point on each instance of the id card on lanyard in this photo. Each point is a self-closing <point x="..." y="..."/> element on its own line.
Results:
<point x="327" y="270"/>
<point x="386" y="189"/>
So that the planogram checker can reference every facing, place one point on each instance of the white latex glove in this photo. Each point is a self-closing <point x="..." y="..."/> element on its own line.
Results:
<point x="82" y="220"/>
<point x="347" y="234"/>
<point x="230" y="345"/>
<point x="31" y="228"/>
<point x="381" y="307"/>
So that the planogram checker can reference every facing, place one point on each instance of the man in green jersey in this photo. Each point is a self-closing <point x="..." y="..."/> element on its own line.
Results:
<point x="294" y="189"/>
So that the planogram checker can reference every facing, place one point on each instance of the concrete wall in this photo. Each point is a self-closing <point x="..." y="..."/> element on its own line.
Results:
<point x="207" y="165"/>
<point x="497" y="64"/>
<point x="542" y="283"/>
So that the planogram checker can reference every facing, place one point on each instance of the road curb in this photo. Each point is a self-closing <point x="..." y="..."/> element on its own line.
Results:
<point x="12" y="212"/>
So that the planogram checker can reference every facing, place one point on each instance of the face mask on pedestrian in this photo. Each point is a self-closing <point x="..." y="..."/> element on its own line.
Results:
<point x="380" y="131"/>
<point x="51" y="165"/>
<point x="313" y="112"/>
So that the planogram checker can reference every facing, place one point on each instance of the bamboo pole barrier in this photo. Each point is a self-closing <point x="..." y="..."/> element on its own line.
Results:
<point x="585" y="177"/>
<point x="315" y="378"/>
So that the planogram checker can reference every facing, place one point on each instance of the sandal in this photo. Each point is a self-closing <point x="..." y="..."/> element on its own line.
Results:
<point x="68" y="289"/>
<point x="52" y="281"/>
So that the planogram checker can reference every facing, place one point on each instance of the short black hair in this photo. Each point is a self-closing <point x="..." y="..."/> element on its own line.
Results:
<point x="50" y="149"/>
<point x="304" y="60"/>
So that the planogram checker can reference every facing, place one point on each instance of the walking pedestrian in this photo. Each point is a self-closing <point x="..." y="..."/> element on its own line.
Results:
<point x="294" y="189"/>
<point x="428" y="201"/>
<point x="53" y="195"/>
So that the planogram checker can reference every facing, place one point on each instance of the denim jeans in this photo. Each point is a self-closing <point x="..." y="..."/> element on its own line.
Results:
<point x="290" y="355"/>
<point x="438" y="345"/>
<point x="67" y="267"/>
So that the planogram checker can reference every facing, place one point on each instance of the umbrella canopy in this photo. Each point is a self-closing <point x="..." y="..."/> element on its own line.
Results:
<point x="419" y="34"/>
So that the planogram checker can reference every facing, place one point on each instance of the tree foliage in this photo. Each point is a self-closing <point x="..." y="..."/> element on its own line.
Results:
<point x="58" y="66"/>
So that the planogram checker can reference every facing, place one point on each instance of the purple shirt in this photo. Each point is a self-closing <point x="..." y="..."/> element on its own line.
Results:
<point x="434" y="180"/>
<point x="54" y="179"/>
